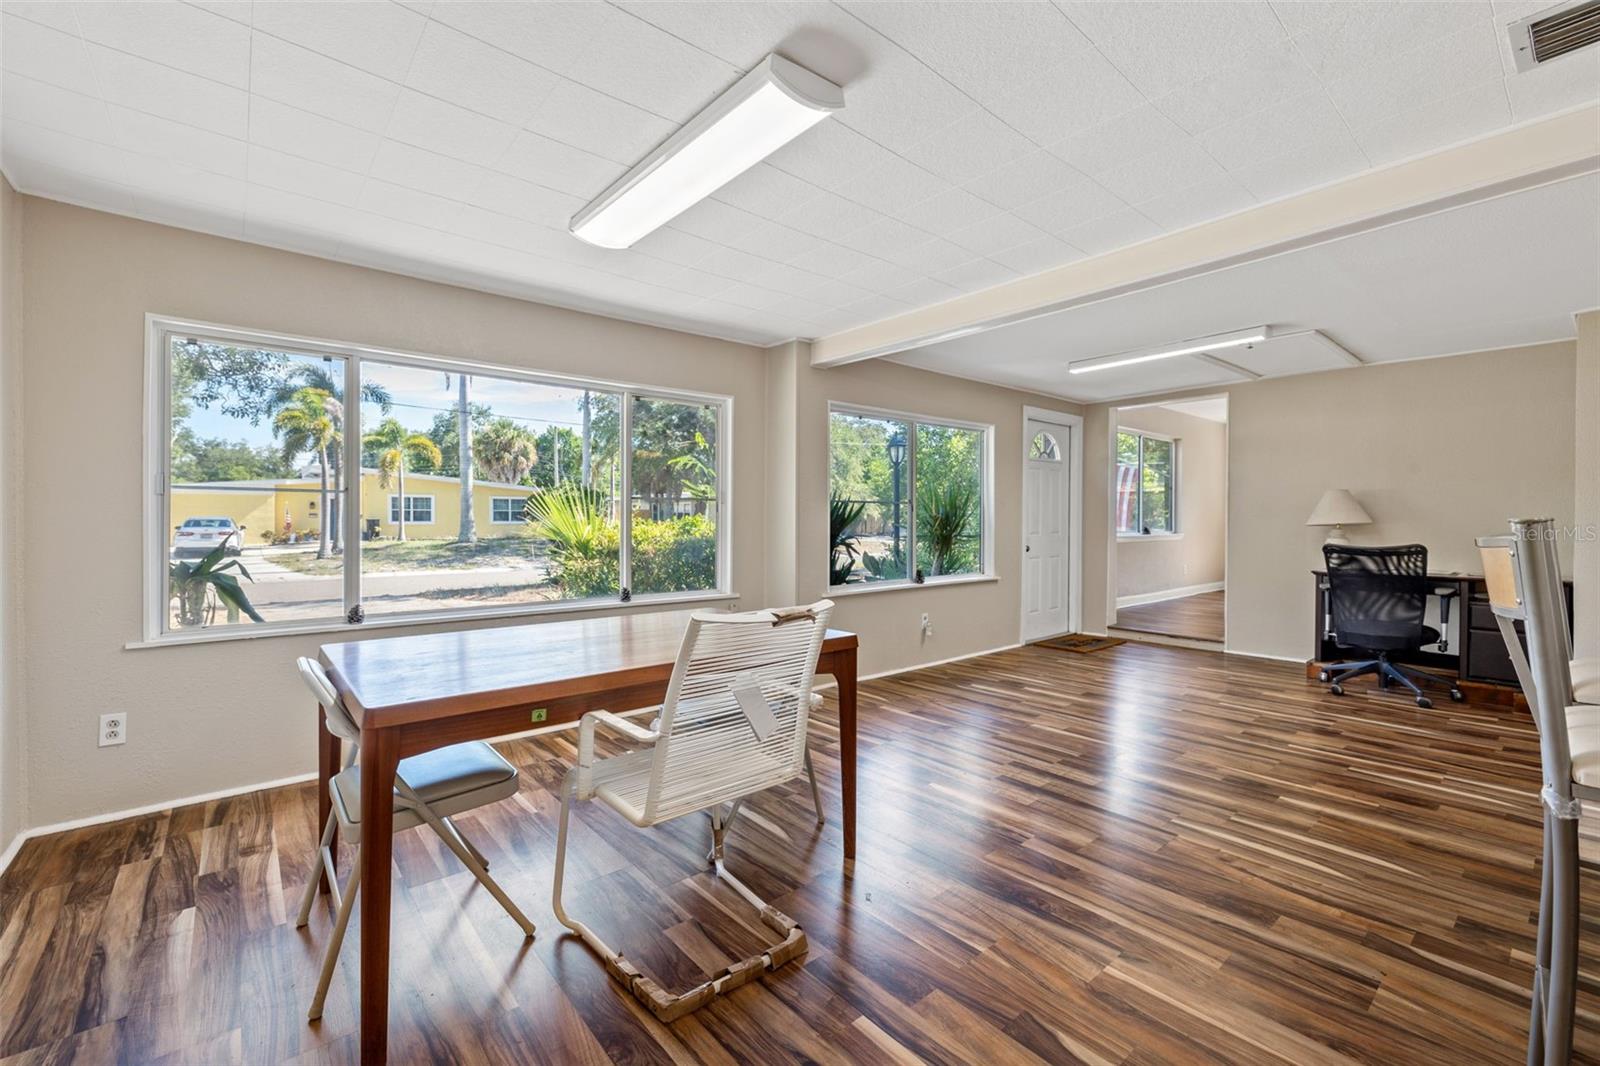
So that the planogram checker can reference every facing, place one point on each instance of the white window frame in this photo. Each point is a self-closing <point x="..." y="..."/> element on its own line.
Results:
<point x="986" y="570"/>
<point x="518" y="505"/>
<point x="412" y="497"/>
<point x="1176" y="532"/>
<point x="160" y="328"/>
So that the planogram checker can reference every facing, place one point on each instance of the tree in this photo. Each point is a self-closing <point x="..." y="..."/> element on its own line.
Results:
<point x="560" y="458"/>
<point x="217" y="459"/>
<point x="505" y="451"/>
<point x="311" y="424"/>
<point x="394" y="448"/>
<point x="443" y="432"/>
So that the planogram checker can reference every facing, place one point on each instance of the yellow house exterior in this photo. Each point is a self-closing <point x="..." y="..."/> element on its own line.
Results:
<point x="265" y="508"/>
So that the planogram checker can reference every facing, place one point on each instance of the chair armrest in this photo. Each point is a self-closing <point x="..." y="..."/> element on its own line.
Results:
<point x="616" y="724"/>
<point x="1445" y="592"/>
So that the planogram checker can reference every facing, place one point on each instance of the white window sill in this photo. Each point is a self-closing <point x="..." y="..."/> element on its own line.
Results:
<point x="864" y="587"/>
<point x="433" y="618"/>
<point x="1133" y="537"/>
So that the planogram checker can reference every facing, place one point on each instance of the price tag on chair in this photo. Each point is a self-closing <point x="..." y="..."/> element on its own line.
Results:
<point x="753" y="702"/>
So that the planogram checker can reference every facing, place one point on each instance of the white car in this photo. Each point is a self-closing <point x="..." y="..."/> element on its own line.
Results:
<point x="198" y="536"/>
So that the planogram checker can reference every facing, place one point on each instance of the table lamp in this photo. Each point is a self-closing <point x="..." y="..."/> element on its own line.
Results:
<point x="1338" y="509"/>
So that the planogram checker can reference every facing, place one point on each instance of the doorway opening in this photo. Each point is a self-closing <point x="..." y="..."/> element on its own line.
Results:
<point x="1169" y="477"/>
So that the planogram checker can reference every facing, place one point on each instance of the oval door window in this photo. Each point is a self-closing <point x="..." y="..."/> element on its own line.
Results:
<point x="1044" y="448"/>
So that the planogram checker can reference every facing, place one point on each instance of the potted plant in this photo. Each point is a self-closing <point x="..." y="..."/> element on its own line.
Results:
<point x="198" y="586"/>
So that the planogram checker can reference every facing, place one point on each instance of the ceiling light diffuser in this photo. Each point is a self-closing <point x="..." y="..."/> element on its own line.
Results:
<point x="763" y="111"/>
<point x="1219" y="342"/>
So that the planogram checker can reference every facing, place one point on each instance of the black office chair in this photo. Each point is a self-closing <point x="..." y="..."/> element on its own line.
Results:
<point x="1377" y="598"/>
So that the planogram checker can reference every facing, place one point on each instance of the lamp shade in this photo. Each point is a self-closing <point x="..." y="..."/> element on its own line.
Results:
<point x="1338" y="508"/>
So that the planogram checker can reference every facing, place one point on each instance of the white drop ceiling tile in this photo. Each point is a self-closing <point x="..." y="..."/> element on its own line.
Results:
<point x="1161" y="174"/>
<point x="170" y="93"/>
<point x="1069" y="207"/>
<point x="923" y="291"/>
<point x="871" y="309"/>
<point x="426" y="122"/>
<point x="1024" y="180"/>
<point x="834" y="293"/>
<point x="1303" y="168"/>
<point x="782" y="277"/>
<point x="285" y="220"/>
<point x="50" y="106"/>
<point x="51" y="13"/>
<point x="1557" y="85"/>
<point x="603" y="125"/>
<point x="830" y="260"/>
<point x="878" y="275"/>
<point x="1043" y="254"/>
<point x="1432" y="71"/>
<point x="1209" y="199"/>
<point x="635" y="61"/>
<point x="1243" y="87"/>
<point x="995" y="234"/>
<point x="1436" y="123"/>
<point x="399" y="246"/>
<point x="1306" y="119"/>
<point x="1131" y="135"/>
<point x="234" y="10"/>
<point x="831" y="217"/>
<point x="95" y="161"/>
<point x="301" y="78"/>
<point x="505" y="231"/>
<point x="301" y="133"/>
<point x="303" y="177"/>
<point x="754" y="297"/>
<point x="557" y="36"/>
<point x="174" y="141"/>
<point x="559" y="166"/>
<point x="161" y="181"/>
<point x="935" y="255"/>
<point x="523" y="199"/>
<point x="976" y="274"/>
<point x="172" y="33"/>
<point x="676" y="246"/>
<point x="951" y="209"/>
<point x="465" y="71"/>
<point x="731" y="263"/>
<point x="408" y="205"/>
<point x="1337" y="38"/>
<point x="45" y="54"/>
<point x="414" y="168"/>
<point x="73" y="186"/>
<point x="885" y="237"/>
<point x="829" y="155"/>
<point x="220" y="221"/>
<point x="378" y="37"/>
<point x="1161" y="46"/>
<point x="892" y="184"/>
<point x="777" y="242"/>
<point x="766" y="191"/>
<point x="1111" y="232"/>
<point x="717" y="221"/>
<point x="969" y="147"/>
<point x="694" y="282"/>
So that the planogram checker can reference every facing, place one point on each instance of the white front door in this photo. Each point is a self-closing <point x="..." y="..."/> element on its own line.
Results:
<point x="1044" y="529"/>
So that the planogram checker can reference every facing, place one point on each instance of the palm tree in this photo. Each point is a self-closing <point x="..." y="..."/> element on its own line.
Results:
<point x="506" y="451"/>
<point x="311" y="424"/>
<point x="469" y="529"/>
<point x="396" y="448"/>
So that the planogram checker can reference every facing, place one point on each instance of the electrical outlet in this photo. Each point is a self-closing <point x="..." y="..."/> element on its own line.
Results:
<point x="113" y="729"/>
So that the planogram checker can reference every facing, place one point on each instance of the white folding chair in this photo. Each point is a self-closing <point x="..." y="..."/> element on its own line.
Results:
<point x="428" y="789"/>
<point x="733" y="724"/>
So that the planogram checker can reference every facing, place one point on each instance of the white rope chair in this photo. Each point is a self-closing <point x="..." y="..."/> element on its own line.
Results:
<point x="428" y="789"/>
<point x="733" y="724"/>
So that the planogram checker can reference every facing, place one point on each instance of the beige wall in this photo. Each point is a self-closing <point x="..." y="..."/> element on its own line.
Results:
<point x="1146" y="566"/>
<point x="216" y="716"/>
<point x="1586" y="489"/>
<point x="968" y="617"/>
<point x="1438" y="450"/>
<point x="13" y="724"/>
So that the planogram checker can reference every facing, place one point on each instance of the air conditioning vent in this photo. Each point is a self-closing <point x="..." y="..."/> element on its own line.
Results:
<point x="1549" y="34"/>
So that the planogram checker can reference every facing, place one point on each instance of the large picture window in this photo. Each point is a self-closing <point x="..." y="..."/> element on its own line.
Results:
<point x="443" y="488"/>
<point x="1147" y="484"/>
<point x="909" y="498"/>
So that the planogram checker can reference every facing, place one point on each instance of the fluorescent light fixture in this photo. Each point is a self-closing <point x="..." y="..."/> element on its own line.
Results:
<point x="763" y="111"/>
<point x="1221" y="341"/>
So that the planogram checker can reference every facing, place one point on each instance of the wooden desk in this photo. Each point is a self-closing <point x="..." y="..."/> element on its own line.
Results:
<point x="410" y="694"/>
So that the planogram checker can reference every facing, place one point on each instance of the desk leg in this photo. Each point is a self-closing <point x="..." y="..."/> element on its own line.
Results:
<point x="379" y="759"/>
<point x="844" y="674"/>
<point x="328" y="757"/>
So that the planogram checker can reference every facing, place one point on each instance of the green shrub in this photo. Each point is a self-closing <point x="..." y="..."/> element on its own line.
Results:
<point x="674" y="554"/>
<point x="669" y="555"/>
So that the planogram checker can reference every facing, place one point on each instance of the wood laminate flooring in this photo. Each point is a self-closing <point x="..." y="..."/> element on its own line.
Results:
<point x="1197" y="617"/>
<point x="1145" y="855"/>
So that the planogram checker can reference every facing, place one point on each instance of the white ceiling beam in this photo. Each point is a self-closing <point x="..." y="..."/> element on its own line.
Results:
<point x="1520" y="158"/>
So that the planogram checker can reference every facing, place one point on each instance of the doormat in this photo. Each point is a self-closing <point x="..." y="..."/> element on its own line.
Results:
<point x="1082" y="643"/>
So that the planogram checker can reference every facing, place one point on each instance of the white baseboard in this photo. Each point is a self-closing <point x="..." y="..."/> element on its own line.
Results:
<point x="148" y="808"/>
<point x="924" y="666"/>
<point x="1170" y="594"/>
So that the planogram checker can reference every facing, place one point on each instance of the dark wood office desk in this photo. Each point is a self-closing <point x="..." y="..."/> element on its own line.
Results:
<point x="1477" y="655"/>
<point x="410" y="694"/>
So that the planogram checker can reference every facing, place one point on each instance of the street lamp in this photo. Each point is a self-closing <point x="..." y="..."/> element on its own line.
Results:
<point x="897" y="458"/>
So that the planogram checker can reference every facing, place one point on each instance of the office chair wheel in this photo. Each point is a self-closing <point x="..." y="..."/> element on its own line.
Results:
<point x="1456" y="696"/>
<point x="1337" y="690"/>
<point x="1424" y="702"/>
<point x="1324" y="676"/>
